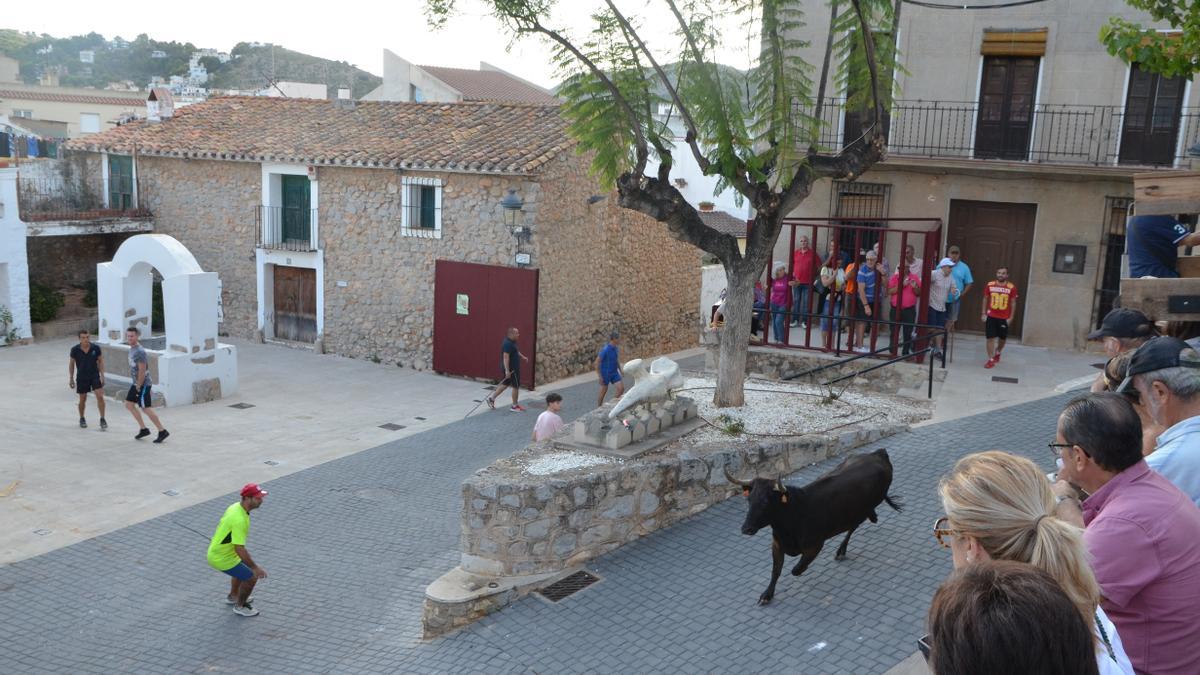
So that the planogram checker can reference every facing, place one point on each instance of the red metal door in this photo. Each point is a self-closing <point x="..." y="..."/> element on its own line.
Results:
<point x="473" y="308"/>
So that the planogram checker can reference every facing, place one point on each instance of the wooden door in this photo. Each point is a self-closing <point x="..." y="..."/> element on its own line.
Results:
<point x="295" y="303"/>
<point x="1151" y="126"/>
<point x="1006" y="107"/>
<point x="295" y="208"/>
<point x="992" y="234"/>
<point x="473" y="308"/>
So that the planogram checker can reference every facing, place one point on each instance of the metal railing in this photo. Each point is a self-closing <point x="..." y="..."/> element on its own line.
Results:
<point x="51" y="198"/>
<point x="286" y="228"/>
<point x="1052" y="133"/>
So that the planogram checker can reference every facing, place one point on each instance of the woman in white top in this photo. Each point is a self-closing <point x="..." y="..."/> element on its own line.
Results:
<point x="999" y="506"/>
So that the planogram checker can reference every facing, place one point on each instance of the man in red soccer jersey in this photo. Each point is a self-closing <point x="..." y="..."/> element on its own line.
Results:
<point x="999" y="304"/>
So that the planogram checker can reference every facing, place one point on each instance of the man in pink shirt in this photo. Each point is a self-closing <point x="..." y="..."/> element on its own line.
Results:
<point x="804" y="272"/>
<point x="905" y="291"/>
<point x="1142" y="533"/>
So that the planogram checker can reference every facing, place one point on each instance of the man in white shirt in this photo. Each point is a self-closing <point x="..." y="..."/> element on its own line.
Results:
<point x="1164" y="374"/>
<point x="549" y="423"/>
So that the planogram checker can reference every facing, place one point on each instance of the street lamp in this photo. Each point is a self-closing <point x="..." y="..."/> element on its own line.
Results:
<point x="512" y="205"/>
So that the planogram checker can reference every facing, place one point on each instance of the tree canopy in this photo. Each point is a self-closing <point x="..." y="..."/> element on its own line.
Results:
<point x="1174" y="54"/>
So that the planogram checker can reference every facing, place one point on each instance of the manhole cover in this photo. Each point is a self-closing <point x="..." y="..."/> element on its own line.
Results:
<point x="568" y="585"/>
<point x="1006" y="380"/>
<point x="378" y="494"/>
<point x="391" y="426"/>
<point x="242" y="406"/>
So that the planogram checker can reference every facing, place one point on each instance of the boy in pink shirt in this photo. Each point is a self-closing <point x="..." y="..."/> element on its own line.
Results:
<point x="549" y="423"/>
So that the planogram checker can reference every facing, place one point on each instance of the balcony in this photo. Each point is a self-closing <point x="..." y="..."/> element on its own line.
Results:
<point x="284" y="228"/>
<point x="55" y="204"/>
<point x="1046" y="133"/>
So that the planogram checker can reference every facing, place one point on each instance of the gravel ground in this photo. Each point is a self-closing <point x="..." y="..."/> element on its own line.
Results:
<point x="787" y="409"/>
<point x="563" y="461"/>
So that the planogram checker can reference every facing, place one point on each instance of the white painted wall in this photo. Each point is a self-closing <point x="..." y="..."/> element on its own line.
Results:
<point x="699" y="187"/>
<point x="712" y="282"/>
<point x="14" y="265"/>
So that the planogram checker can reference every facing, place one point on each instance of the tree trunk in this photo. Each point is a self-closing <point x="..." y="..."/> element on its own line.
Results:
<point x="735" y="336"/>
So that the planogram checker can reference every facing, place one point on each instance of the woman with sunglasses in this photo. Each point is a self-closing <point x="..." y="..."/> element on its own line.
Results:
<point x="999" y="507"/>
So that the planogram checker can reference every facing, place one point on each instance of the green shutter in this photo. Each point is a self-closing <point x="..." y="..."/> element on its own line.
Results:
<point x="295" y="208"/>
<point x="120" y="182"/>
<point x="428" y="207"/>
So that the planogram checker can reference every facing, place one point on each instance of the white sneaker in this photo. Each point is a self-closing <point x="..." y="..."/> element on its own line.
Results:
<point x="245" y="610"/>
<point x="861" y="350"/>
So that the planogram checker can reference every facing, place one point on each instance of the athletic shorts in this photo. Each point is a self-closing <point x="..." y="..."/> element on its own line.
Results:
<point x="86" y="386"/>
<point x="240" y="572"/>
<point x="142" y="398"/>
<point x="860" y="310"/>
<point x="937" y="318"/>
<point x="952" y="309"/>
<point x="511" y="380"/>
<point x="996" y="328"/>
<point x="610" y="378"/>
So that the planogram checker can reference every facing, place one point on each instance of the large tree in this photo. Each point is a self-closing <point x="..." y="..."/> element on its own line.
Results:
<point x="1174" y="54"/>
<point x="758" y="133"/>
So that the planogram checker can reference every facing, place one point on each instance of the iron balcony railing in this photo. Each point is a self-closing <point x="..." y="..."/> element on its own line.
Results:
<point x="1048" y="133"/>
<point x="50" y="197"/>
<point x="286" y="228"/>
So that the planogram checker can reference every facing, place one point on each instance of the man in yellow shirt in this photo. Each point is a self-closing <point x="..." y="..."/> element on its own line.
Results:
<point x="227" y="551"/>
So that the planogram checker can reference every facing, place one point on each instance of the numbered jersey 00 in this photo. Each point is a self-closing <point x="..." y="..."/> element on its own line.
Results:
<point x="1000" y="299"/>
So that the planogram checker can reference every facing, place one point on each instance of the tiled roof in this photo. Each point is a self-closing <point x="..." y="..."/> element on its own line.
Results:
<point x="59" y="97"/>
<point x="724" y="222"/>
<point x="462" y="137"/>
<point x="490" y="85"/>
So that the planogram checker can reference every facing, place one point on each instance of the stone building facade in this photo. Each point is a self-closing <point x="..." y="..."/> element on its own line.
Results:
<point x="600" y="267"/>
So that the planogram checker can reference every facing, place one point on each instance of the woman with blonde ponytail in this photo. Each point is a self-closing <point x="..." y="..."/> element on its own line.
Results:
<point x="999" y="507"/>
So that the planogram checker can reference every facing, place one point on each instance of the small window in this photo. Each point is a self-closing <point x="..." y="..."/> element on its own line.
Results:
<point x="27" y="114"/>
<point x="120" y="182"/>
<point x="421" y="207"/>
<point x="89" y="123"/>
<point x="664" y="109"/>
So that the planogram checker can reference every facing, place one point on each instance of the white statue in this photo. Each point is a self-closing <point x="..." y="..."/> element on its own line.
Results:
<point x="648" y="386"/>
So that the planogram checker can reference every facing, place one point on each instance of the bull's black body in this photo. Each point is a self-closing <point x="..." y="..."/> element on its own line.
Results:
<point x="803" y="518"/>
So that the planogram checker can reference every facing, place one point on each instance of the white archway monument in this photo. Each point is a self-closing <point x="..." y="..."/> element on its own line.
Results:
<point x="191" y="366"/>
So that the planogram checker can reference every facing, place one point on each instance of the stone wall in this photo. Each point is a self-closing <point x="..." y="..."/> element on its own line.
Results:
<point x="773" y="364"/>
<point x="385" y="310"/>
<point x="64" y="261"/>
<point x="209" y="207"/>
<point x="604" y="267"/>
<point x="516" y="524"/>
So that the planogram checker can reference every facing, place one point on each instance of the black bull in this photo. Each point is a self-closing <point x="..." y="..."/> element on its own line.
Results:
<point x="802" y="518"/>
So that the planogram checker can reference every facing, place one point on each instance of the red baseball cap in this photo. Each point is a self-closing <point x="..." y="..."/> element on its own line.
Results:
<point x="253" y="490"/>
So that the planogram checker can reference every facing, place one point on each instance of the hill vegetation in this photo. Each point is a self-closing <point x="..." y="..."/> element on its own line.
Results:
<point x="253" y="66"/>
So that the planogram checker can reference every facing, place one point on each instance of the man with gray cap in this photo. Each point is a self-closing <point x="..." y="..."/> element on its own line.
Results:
<point x="1122" y="330"/>
<point x="1165" y="375"/>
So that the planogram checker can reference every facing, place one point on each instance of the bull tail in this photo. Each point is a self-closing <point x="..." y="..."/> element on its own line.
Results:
<point x="894" y="501"/>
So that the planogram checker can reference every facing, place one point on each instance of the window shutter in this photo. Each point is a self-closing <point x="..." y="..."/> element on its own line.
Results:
<point x="1029" y="42"/>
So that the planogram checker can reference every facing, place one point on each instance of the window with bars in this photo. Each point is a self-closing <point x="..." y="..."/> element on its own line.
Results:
<point x="1112" y="249"/>
<point x="865" y="205"/>
<point x="421" y="207"/>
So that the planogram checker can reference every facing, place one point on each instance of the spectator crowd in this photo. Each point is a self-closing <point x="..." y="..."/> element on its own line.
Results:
<point x="1094" y="568"/>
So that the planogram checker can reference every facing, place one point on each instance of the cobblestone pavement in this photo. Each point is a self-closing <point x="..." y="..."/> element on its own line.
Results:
<point x="351" y="544"/>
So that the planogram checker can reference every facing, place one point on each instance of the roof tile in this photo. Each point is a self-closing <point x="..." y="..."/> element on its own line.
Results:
<point x="477" y="137"/>
<point x="490" y="85"/>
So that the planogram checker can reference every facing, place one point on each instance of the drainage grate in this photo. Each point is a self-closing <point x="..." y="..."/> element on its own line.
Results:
<point x="391" y="426"/>
<point x="270" y="462"/>
<point x="1006" y="380"/>
<point x="568" y="585"/>
<point x="41" y="532"/>
<point x="242" y="406"/>
<point x="171" y="493"/>
<point x="421" y="418"/>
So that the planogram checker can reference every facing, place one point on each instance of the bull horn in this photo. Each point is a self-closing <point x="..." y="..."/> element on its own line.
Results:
<point x="779" y="485"/>
<point x="729" y="477"/>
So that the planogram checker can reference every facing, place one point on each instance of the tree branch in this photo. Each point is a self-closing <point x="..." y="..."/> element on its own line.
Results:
<point x="665" y="158"/>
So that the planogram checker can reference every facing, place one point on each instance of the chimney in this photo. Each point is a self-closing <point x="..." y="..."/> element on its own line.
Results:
<point x="160" y="104"/>
<point x="344" y="93"/>
<point x="706" y="206"/>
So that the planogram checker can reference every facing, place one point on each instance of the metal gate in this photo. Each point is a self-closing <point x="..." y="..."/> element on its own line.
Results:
<point x="473" y="308"/>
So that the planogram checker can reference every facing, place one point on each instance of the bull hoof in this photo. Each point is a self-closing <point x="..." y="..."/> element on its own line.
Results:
<point x="764" y="599"/>
<point x="839" y="557"/>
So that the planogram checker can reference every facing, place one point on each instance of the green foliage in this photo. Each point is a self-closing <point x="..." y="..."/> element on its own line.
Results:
<point x="252" y="68"/>
<point x="1175" y="55"/>
<point x="89" y="293"/>
<point x="8" y="329"/>
<point x="731" y="426"/>
<point x="44" y="303"/>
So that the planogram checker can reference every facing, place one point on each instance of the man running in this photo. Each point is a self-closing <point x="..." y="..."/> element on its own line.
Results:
<point x="139" y="391"/>
<point x="510" y="363"/>
<point x="999" y="305"/>
<point x="227" y="551"/>
<point x="87" y="362"/>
